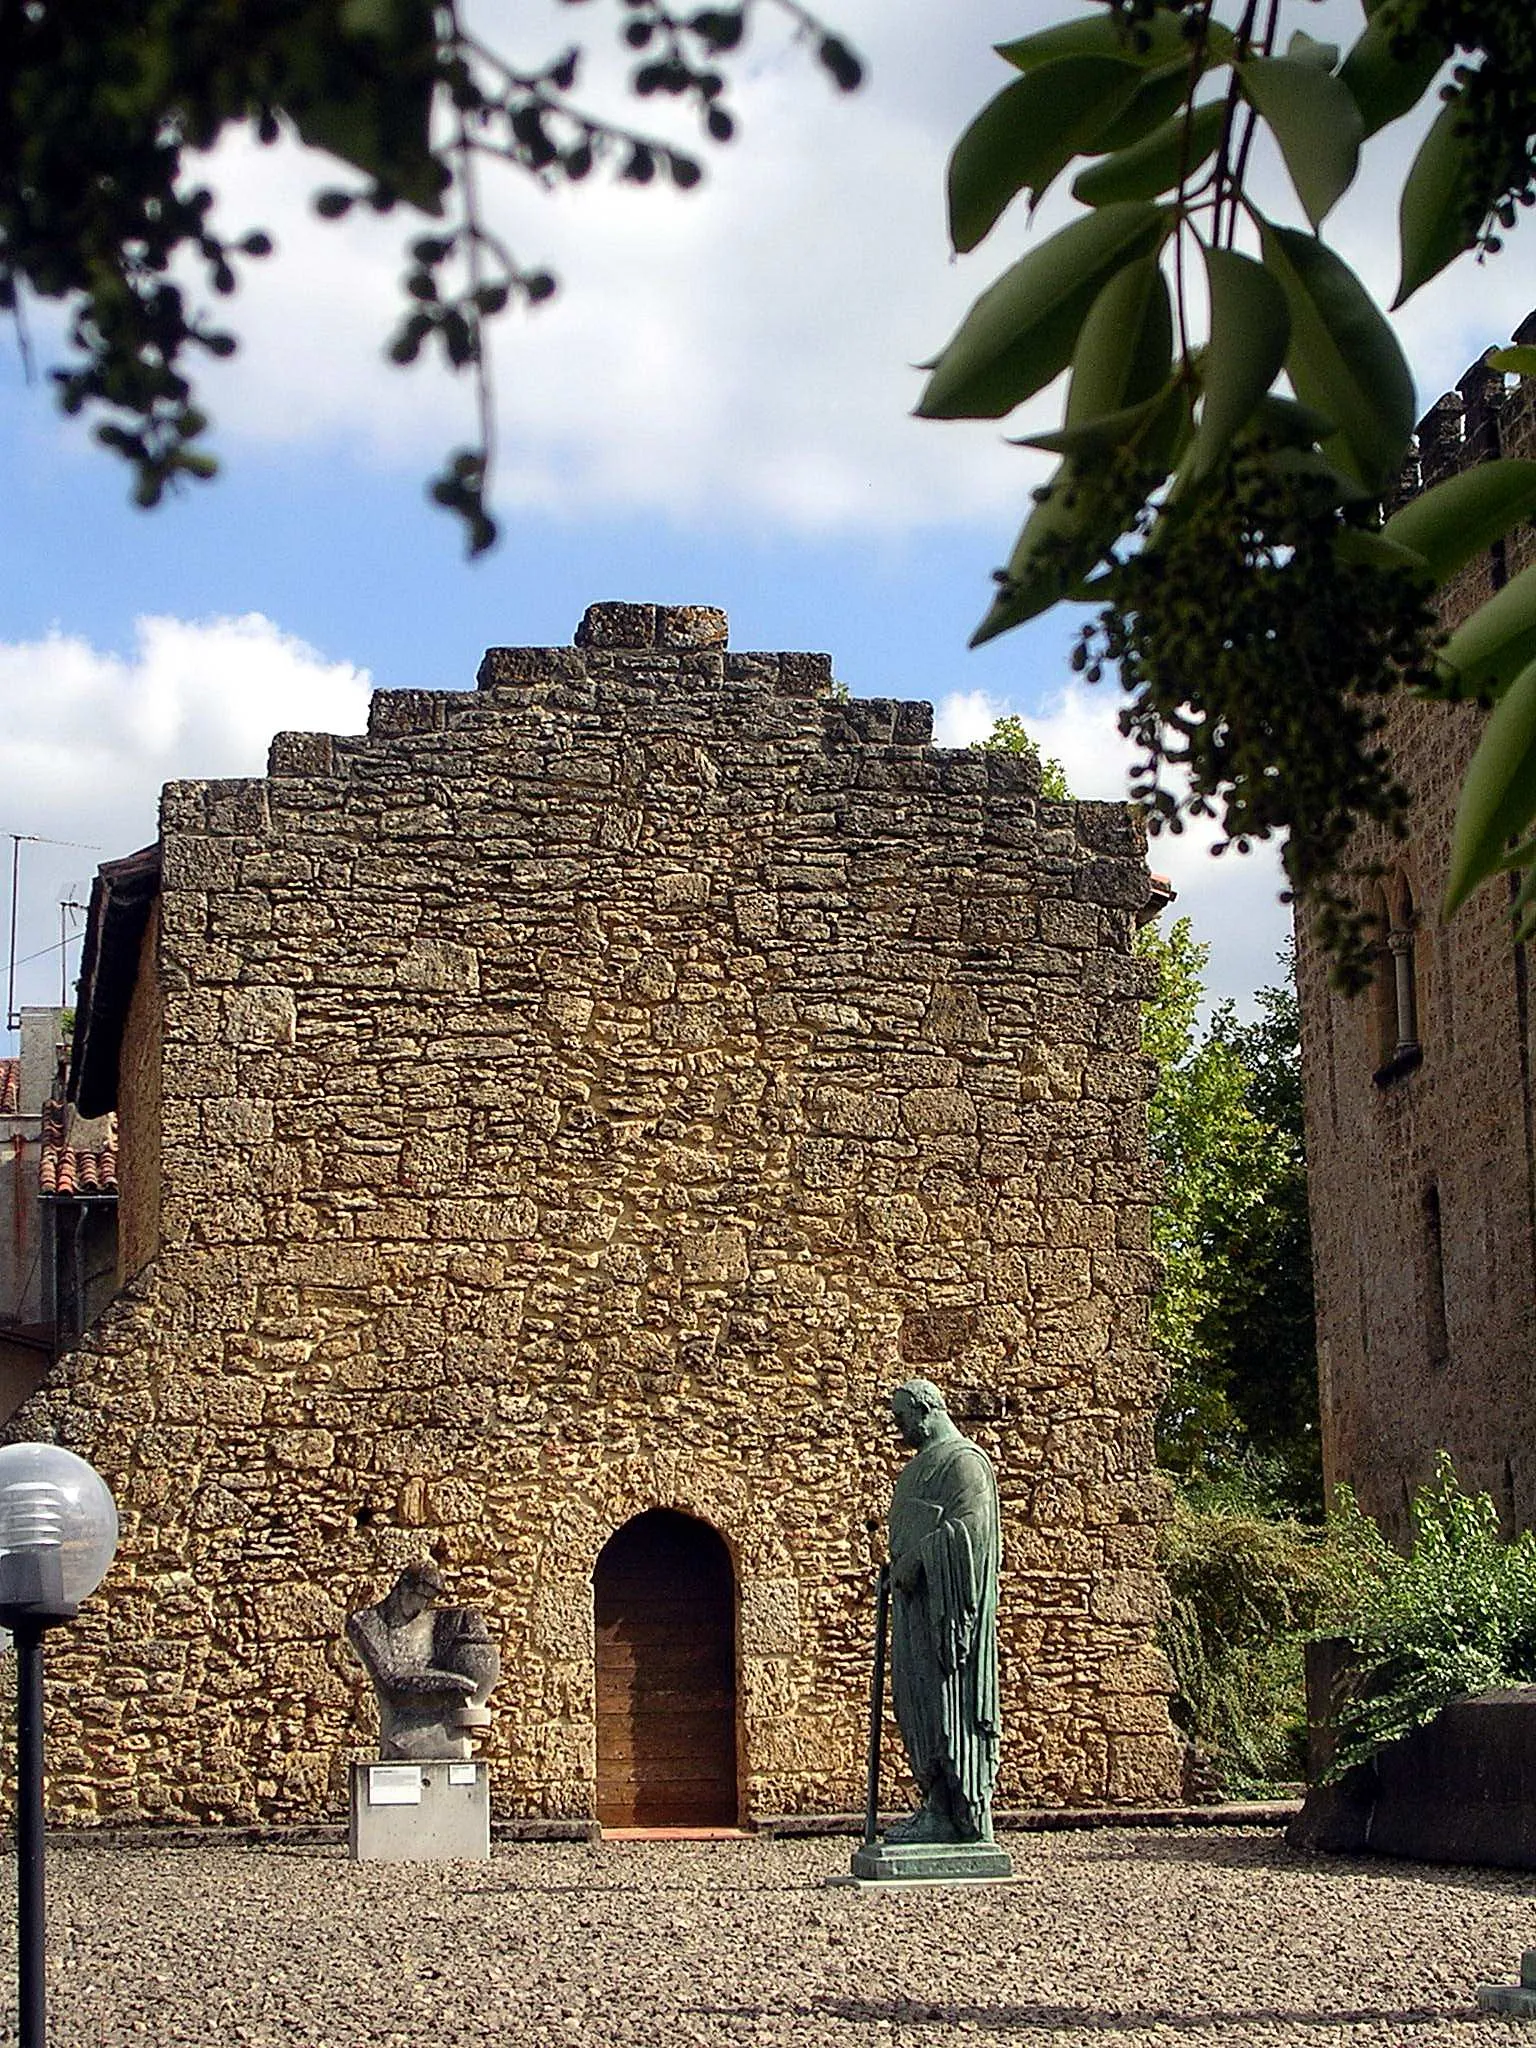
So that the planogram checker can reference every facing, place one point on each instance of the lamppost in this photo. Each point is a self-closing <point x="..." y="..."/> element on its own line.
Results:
<point x="58" y="1530"/>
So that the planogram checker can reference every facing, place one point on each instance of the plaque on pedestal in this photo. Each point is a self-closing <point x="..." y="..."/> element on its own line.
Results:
<point x="429" y="1812"/>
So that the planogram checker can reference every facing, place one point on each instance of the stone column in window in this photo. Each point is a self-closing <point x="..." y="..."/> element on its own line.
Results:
<point x="1400" y="946"/>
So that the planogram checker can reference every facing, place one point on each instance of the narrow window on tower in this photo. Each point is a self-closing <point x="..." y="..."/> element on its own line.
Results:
<point x="1383" y="987"/>
<point x="1434" y="1280"/>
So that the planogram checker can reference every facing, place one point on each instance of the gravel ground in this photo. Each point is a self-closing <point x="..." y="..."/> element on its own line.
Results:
<point x="1207" y="1936"/>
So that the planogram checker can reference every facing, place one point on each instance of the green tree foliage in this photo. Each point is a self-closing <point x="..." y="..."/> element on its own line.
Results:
<point x="1258" y="1330"/>
<point x="1011" y="736"/>
<point x="1224" y="453"/>
<point x="107" y="114"/>
<point x="1233" y="1317"/>
<point x="1457" y="1615"/>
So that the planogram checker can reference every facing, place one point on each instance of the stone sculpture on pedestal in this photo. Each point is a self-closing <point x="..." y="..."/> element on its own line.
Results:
<point x="945" y="1545"/>
<point x="432" y="1669"/>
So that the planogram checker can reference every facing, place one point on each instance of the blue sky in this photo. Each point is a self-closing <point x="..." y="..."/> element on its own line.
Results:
<point x="714" y="409"/>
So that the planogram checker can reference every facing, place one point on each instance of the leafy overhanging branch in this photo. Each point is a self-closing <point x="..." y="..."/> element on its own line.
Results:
<point x="1256" y="603"/>
<point x="102" y="125"/>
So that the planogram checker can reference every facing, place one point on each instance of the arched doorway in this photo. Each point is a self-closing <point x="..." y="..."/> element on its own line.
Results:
<point x="664" y="1600"/>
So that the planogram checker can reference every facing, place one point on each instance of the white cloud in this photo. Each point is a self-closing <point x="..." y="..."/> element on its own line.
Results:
<point x="1232" y="899"/>
<point x="747" y="349"/>
<point x="966" y="717"/>
<point x="92" y="735"/>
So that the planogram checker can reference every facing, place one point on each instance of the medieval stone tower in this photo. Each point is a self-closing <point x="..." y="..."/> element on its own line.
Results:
<point x="1421" y="1121"/>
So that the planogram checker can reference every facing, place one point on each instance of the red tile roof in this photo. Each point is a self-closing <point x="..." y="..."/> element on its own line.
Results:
<point x="79" y="1155"/>
<point x="10" y="1087"/>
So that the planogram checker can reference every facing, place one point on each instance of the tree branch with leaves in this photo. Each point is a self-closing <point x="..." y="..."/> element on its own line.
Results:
<point x="1227" y="457"/>
<point x="105" y="118"/>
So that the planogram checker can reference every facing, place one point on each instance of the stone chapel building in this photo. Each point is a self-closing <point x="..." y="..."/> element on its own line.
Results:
<point x="1420" y="1111"/>
<point x="549" y="1125"/>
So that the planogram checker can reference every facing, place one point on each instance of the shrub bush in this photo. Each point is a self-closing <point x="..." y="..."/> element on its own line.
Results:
<point x="1246" y="1587"/>
<point x="1456" y="1615"/>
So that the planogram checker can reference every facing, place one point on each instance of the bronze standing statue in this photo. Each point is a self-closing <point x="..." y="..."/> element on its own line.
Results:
<point x="945" y="1544"/>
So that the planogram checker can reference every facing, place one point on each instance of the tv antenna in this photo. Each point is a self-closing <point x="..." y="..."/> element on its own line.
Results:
<point x="67" y="904"/>
<point x="18" y="841"/>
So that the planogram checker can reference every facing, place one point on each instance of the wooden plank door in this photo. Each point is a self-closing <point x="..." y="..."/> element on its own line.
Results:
<point x="664" y="1596"/>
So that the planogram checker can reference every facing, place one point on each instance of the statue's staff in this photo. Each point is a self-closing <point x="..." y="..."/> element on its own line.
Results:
<point x="877" y="1704"/>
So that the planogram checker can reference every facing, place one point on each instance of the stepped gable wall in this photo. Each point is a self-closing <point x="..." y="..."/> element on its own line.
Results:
<point x="587" y="1094"/>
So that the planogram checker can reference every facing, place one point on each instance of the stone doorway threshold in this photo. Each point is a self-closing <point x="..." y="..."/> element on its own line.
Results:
<point x="675" y="1834"/>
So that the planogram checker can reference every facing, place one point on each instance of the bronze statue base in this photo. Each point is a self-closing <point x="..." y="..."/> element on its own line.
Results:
<point x="930" y="1863"/>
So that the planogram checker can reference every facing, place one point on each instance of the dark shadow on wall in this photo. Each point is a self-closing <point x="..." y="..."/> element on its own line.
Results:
<point x="23" y="1363"/>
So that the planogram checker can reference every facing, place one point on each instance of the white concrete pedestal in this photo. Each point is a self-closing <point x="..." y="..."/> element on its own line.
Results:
<point x="438" y="1812"/>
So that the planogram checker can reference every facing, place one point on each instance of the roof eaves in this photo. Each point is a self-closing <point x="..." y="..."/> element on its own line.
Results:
<point x="122" y="897"/>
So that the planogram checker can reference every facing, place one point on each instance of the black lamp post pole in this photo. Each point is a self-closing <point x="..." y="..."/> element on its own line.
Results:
<point x="31" y="1981"/>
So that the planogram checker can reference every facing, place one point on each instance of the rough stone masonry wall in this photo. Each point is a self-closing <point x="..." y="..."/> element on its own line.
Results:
<point x="1397" y="1382"/>
<point x="590" y="1094"/>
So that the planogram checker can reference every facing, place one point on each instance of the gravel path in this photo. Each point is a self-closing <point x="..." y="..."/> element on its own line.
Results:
<point x="1156" y="1936"/>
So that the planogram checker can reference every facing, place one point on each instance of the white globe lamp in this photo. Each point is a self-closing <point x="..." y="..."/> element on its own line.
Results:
<point x="58" y="1530"/>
